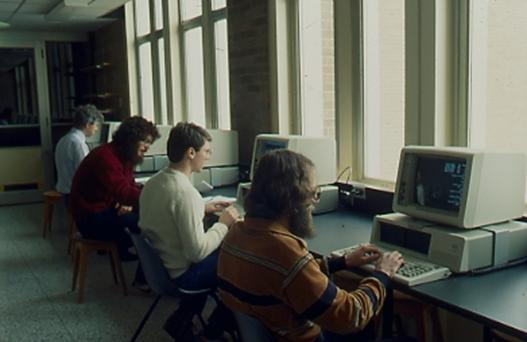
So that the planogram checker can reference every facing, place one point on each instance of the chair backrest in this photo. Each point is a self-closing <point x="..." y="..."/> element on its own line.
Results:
<point x="155" y="272"/>
<point x="252" y="330"/>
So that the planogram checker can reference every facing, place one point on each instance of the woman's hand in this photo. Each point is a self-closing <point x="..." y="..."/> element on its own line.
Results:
<point x="123" y="209"/>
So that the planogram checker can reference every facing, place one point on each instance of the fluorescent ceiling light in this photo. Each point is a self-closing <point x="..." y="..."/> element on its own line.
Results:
<point x="3" y="24"/>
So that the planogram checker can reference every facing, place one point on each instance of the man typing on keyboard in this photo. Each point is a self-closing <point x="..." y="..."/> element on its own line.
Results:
<point x="267" y="272"/>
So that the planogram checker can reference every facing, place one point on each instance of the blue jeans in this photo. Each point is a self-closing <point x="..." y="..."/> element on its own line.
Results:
<point x="202" y="276"/>
<point x="108" y="226"/>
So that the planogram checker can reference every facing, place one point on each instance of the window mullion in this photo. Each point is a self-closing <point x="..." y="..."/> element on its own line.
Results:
<point x="295" y="71"/>
<point x="154" y="53"/>
<point x="209" y="81"/>
<point x="357" y="91"/>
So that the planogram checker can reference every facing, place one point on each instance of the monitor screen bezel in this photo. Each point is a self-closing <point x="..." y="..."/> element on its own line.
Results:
<point x="260" y="140"/>
<point x="455" y="218"/>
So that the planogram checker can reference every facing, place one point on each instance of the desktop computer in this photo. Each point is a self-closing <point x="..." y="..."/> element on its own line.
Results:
<point x="455" y="209"/>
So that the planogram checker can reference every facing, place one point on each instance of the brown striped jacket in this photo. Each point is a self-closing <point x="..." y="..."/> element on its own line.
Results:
<point x="267" y="272"/>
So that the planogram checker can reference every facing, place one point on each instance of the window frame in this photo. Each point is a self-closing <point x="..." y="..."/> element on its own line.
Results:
<point x="437" y="98"/>
<point x="172" y="34"/>
<point x="206" y="21"/>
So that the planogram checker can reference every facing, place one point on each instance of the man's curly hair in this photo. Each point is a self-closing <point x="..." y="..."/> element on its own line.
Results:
<point x="281" y="185"/>
<point x="130" y="132"/>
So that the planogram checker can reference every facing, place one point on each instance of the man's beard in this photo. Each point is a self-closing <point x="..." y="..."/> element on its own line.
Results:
<point x="302" y="223"/>
<point x="138" y="160"/>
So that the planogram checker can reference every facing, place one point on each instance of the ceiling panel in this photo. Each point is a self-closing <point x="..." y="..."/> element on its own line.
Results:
<point x="37" y="22"/>
<point x="56" y="15"/>
<point x="29" y="8"/>
<point x="8" y="6"/>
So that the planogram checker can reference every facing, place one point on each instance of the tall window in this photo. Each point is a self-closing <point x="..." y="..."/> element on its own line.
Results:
<point x="151" y="60"/>
<point x="181" y="58"/>
<point x="316" y="70"/>
<point x="206" y="67"/>
<point x="498" y="119"/>
<point x="383" y="88"/>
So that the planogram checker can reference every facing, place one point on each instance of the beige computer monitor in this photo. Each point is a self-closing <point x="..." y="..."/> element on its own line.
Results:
<point x="461" y="187"/>
<point x="321" y="151"/>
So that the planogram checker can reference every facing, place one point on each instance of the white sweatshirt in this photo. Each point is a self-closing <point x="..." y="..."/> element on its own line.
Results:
<point x="171" y="213"/>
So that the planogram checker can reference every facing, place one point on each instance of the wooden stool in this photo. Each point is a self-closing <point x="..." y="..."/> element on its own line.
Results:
<point x="83" y="248"/>
<point x="50" y="198"/>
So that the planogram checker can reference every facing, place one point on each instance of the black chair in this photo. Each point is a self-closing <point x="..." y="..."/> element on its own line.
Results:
<point x="251" y="329"/>
<point x="156" y="276"/>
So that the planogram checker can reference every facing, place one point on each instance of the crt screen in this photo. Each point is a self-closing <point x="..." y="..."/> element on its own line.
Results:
<point x="439" y="182"/>
<point x="265" y="146"/>
<point x="271" y="145"/>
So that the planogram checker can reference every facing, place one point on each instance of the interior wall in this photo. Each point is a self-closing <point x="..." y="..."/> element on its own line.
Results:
<point x="21" y="165"/>
<point x="249" y="65"/>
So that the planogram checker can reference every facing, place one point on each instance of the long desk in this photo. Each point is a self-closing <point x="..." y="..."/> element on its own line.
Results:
<point x="497" y="299"/>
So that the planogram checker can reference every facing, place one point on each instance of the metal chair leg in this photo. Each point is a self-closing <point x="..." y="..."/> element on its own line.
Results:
<point x="145" y="318"/>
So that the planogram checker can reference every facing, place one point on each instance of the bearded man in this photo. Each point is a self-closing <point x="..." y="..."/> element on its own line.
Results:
<point x="104" y="197"/>
<point x="267" y="272"/>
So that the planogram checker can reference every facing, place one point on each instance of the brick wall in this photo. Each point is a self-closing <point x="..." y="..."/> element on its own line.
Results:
<point x="249" y="71"/>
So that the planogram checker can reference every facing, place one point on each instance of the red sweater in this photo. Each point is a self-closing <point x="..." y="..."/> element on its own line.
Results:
<point x="101" y="181"/>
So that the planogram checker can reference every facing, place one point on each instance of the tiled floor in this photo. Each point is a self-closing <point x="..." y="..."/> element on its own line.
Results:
<point x="36" y="301"/>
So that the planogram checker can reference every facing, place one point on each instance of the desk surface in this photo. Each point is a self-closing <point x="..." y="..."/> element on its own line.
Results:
<point x="497" y="299"/>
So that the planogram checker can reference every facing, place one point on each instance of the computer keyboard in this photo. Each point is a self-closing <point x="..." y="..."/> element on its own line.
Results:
<point x="413" y="272"/>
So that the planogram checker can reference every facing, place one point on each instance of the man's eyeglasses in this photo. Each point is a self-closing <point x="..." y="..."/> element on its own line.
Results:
<point x="316" y="194"/>
<point x="145" y="144"/>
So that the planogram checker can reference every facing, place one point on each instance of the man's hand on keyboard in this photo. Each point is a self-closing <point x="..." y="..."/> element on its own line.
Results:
<point x="215" y="206"/>
<point x="362" y="255"/>
<point x="389" y="263"/>
<point x="229" y="216"/>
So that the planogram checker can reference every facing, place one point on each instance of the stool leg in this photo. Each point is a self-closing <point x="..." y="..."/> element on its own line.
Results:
<point x="110" y="256"/>
<point x="70" y="236"/>
<point x="118" y="266"/>
<point x="76" y="258"/>
<point x="48" y="212"/>
<point x="82" y="272"/>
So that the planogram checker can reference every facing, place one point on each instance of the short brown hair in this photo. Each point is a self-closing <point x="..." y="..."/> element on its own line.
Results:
<point x="280" y="185"/>
<point x="184" y="136"/>
<point x="130" y="132"/>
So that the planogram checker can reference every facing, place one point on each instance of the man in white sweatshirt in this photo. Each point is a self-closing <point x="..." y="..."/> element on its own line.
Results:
<point x="171" y="216"/>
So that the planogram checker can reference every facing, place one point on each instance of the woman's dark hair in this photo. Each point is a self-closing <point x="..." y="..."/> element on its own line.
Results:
<point x="86" y="114"/>
<point x="130" y="132"/>
<point x="184" y="136"/>
<point x="281" y="185"/>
